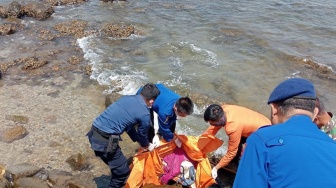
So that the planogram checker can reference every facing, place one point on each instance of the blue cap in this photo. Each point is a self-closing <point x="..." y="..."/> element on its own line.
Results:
<point x="293" y="87"/>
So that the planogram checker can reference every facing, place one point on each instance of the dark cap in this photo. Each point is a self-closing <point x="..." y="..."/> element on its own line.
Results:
<point x="293" y="87"/>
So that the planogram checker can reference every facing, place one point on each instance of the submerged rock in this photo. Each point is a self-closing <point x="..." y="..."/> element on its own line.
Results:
<point x="118" y="30"/>
<point x="7" y="29"/>
<point x="14" y="9"/>
<point x="17" y="118"/>
<point x="12" y="134"/>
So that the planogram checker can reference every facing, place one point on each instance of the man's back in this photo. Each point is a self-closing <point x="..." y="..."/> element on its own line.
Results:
<point x="296" y="152"/>
<point x="123" y="115"/>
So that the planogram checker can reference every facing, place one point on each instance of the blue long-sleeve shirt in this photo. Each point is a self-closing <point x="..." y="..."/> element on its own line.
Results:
<point x="123" y="115"/>
<point x="292" y="154"/>
<point x="164" y="107"/>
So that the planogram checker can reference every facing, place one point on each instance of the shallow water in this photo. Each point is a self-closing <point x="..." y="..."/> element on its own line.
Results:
<point x="230" y="51"/>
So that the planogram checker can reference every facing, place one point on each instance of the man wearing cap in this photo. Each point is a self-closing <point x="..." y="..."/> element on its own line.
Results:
<point x="292" y="152"/>
<point x="128" y="114"/>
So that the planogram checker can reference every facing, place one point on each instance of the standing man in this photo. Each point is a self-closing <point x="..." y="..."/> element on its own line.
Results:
<point x="122" y="115"/>
<point x="238" y="123"/>
<point x="167" y="108"/>
<point x="292" y="152"/>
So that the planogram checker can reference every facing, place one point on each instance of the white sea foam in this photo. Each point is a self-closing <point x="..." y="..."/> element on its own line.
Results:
<point x="210" y="57"/>
<point x="125" y="81"/>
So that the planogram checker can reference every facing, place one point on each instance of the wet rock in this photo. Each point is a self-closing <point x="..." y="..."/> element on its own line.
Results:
<point x="17" y="118"/>
<point x="46" y="35"/>
<point x="118" y="30"/>
<point x="23" y="170"/>
<point x="7" y="29"/>
<point x="74" y="60"/>
<point x="14" y="9"/>
<point x="88" y="69"/>
<point x="71" y="28"/>
<point x="38" y="10"/>
<point x="12" y="134"/>
<point x="33" y="63"/>
<point x="78" y="162"/>
<point x="110" y="98"/>
<point x="63" y="2"/>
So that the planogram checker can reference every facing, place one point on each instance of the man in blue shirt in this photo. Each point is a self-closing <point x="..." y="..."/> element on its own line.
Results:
<point x="168" y="107"/>
<point x="125" y="114"/>
<point x="292" y="152"/>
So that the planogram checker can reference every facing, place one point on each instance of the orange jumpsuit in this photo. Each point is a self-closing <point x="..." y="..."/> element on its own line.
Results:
<point x="240" y="122"/>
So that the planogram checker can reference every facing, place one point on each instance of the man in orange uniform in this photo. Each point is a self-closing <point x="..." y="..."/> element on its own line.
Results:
<point x="238" y="123"/>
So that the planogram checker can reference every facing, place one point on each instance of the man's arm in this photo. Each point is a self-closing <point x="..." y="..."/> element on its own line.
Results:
<point x="143" y="130"/>
<point x="234" y="140"/>
<point x="252" y="169"/>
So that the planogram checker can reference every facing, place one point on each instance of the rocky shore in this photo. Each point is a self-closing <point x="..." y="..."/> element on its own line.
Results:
<point x="42" y="134"/>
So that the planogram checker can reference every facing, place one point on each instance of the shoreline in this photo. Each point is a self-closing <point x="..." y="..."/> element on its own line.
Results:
<point x="59" y="112"/>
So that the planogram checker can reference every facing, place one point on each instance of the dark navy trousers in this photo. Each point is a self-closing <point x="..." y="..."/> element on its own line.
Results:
<point x="117" y="162"/>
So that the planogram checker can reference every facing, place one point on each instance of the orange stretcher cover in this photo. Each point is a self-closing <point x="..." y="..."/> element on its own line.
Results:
<point x="147" y="167"/>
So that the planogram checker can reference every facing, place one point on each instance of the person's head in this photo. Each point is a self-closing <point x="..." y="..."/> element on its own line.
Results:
<point x="183" y="107"/>
<point x="322" y="118"/>
<point x="215" y="115"/>
<point x="292" y="97"/>
<point x="150" y="92"/>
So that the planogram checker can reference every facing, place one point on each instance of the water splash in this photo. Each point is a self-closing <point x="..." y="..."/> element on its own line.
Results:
<point x="124" y="79"/>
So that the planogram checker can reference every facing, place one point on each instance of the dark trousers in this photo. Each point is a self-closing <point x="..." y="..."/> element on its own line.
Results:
<point x="236" y="159"/>
<point x="118" y="166"/>
<point x="117" y="162"/>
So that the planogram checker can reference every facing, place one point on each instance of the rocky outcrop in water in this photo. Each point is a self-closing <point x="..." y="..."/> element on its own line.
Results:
<point x="118" y="30"/>
<point x="35" y="10"/>
<point x="7" y="29"/>
<point x="64" y="2"/>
